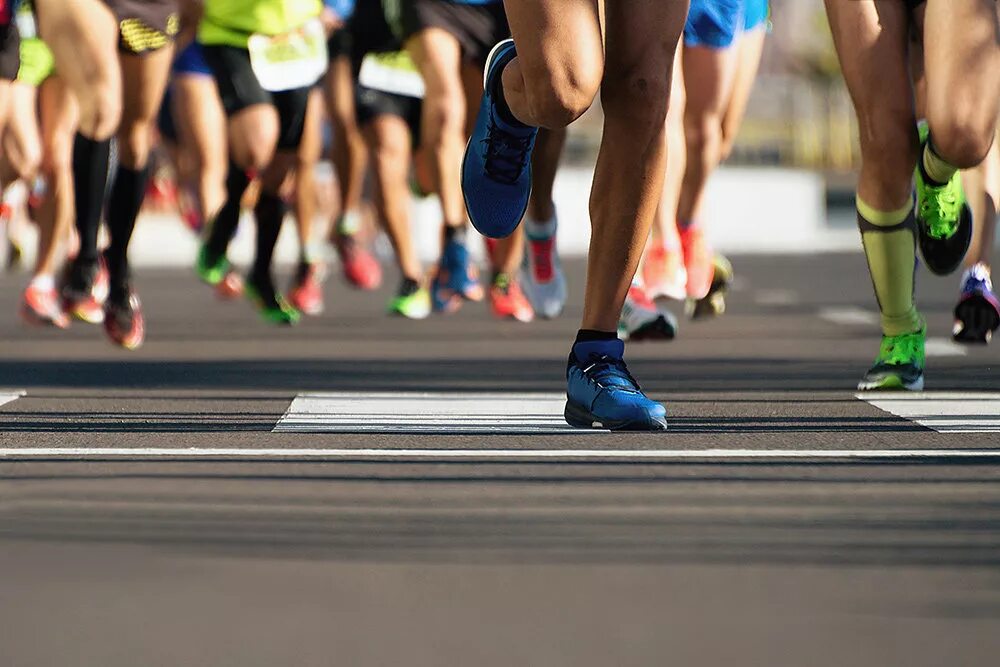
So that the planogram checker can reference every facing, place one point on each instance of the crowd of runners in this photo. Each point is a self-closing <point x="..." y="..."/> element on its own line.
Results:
<point x="416" y="98"/>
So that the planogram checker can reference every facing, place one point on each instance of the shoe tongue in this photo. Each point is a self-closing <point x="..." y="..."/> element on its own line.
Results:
<point x="588" y="351"/>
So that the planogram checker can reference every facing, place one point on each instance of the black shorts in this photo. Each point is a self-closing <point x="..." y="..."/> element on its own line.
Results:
<point x="10" y="52"/>
<point x="239" y="88"/>
<point x="145" y="25"/>
<point x="371" y="103"/>
<point x="476" y="27"/>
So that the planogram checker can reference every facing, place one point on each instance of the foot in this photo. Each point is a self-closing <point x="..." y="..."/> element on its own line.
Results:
<point x="542" y="275"/>
<point x="944" y="219"/>
<point x="272" y="306"/>
<point x="900" y="364"/>
<point x="84" y="290"/>
<point x="977" y="314"/>
<point x="713" y="304"/>
<point x="642" y="320"/>
<point x="663" y="273"/>
<point x="508" y="301"/>
<point x="307" y="291"/>
<point x="216" y="271"/>
<point x="496" y="171"/>
<point x="698" y="258"/>
<point x="456" y="280"/>
<point x="123" y="320"/>
<point x="411" y="301"/>
<point x="601" y="393"/>
<point x="41" y="306"/>
<point x="361" y="268"/>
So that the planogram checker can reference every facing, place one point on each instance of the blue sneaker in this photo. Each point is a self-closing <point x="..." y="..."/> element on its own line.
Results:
<point x="496" y="171"/>
<point x="601" y="393"/>
<point x="456" y="280"/>
<point x="977" y="314"/>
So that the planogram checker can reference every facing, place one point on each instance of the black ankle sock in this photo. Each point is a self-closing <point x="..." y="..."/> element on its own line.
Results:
<point x="223" y="227"/>
<point x="454" y="233"/>
<point x="90" y="174"/>
<point x="270" y="212"/>
<point x="408" y="286"/>
<point x="590" y="335"/>
<point x="127" y="194"/>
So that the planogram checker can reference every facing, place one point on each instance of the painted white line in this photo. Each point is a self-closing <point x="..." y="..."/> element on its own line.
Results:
<point x="944" y="412"/>
<point x="487" y="454"/>
<point x="427" y="413"/>
<point x="849" y="316"/>
<point x="944" y="347"/>
<point x="8" y="396"/>
<point x="776" y="297"/>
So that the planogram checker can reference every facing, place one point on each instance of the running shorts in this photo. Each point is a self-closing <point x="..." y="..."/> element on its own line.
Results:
<point x="371" y="103"/>
<point x="10" y="51"/>
<point x="477" y="27"/>
<point x="713" y="24"/>
<point x="191" y="61"/>
<point x="239" y="88"/>
<point x="144" y="25"/>
<point x="755" y="13"/>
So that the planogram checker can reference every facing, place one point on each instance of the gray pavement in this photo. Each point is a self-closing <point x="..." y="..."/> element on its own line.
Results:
<point x="373" y="560"/>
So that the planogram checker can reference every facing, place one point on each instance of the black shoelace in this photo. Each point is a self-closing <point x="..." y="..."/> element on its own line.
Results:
<point x="606" y="367"/>
<point x="506" y="155"/>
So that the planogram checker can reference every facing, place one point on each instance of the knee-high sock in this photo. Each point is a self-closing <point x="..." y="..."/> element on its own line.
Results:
<point x="223" y="226"/>
<point x="890" y="245"/>
<point x="270" y="212"/>
<point x="127" y="194"/>
<point x="90" y="174"/>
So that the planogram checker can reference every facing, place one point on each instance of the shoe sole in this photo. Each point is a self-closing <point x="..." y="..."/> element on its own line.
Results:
<point x="892" y="384"/>
<point x="929" y="247"/>
<point x="658" y="329"/>
<point x="975" y="320"/>
<point x="579" y="417"/>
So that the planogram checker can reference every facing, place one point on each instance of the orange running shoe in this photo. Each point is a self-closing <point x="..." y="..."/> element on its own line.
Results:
<point x="360" y="267"/>
<point x="123" y="320"/>
<point x="663" y="273"/>
<point x="698" y="261"/>
<point x="508" y="301"/>
<point x="307" y="292"/>
<point x="84" y="290"/>
<point x="41" y="307"/>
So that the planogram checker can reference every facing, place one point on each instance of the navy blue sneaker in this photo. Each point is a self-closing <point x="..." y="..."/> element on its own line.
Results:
<point x="496" y="171"/>
<point x="601" y="393"/>
<point x="456" y="279"/>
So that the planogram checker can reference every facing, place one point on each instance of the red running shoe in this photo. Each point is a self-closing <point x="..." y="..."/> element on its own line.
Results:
<point x="307" y="292"/>
<point x="42" y="307"/>
<point x="508" y="301"/>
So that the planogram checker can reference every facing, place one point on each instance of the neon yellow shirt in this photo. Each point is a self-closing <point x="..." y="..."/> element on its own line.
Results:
<point x="231" y="22"/>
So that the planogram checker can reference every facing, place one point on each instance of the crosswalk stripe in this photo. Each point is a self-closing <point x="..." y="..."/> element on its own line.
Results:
<point x="944" y="412"/>
<point x="6" y="396"/>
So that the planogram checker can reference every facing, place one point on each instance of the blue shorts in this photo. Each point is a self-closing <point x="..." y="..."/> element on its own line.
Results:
<point x="714" y="24"/>
<point x="191" y="61"/>
<point x="755" y="14"/>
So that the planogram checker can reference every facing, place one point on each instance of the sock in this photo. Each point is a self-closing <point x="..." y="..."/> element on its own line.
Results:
<point x="270" y="212"/>
<point x="223" y="227"/>
<point x="452" y="233"/>
<point x="934" y="168"/>
<point x="127" y="193"/>
<point x="349" y="223"/>
<point x="408" y="286"/>
<point x="90" y="174"/>
<point x="540" y="229"/>
<point x="591" y="343"/>
<point x="889" y="240"/>
<point x="44" y="282"/>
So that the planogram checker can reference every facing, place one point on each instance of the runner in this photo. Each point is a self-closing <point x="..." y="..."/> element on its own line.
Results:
<point x="115" y="56"/>
<point x="561" y="62"/>
<point x="961" y="59"/>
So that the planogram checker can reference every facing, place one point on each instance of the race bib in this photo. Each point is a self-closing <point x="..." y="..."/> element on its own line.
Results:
<point x="295" y="59"/>
<point x="391" y="73"/>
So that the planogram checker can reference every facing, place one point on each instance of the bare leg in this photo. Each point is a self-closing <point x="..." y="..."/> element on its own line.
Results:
<point x="544" y="165"/>
<point x="348" y="146"/>
<point x="58" y="116"/>
<point x="305" y="176"/>
<point x="750" y="48"/>
<point x="982" y="185"/>
<point x="201" y="129"/>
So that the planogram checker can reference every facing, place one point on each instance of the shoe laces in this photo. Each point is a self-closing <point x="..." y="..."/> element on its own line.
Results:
<point x="506" y="155"/>
<point x="941" y="208"/>
<point x="541" y="257"/>
<point x="605" y="371"/>
<point x="900" y="350"/>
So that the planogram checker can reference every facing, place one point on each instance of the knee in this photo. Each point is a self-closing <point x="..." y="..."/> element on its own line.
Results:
<point x="254" y="156"/>
<point x="558" y="96"/>
<point x="889" y="139"/>
<point x="445" y="115"/>
<point x="963" y="139"/>
<point x="134" y="140"/>
<point x="703" y="135"/>
<point x="638" y="96"/>
<point x="101" y="116"/>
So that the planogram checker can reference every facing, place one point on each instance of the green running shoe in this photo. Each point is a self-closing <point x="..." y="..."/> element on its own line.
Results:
<point x="211" y="270"/>
<point x="414" y="305"/>
<point x="900" y="364"/>
<point x="272" y="306"/>
<point x="944" y="219"/>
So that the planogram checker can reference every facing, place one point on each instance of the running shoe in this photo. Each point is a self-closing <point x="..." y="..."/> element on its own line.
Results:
<point x="272" y="306"/>
<point x="944" y="219"/>
<point x="642" y="320"/>
<point x="900" y="364"/>
<point x="190" y="212"/>
<point x="360" y="267"/>
<point x="84" y="290"/>
<point x="977" y="314"/>
<point x="508" y="301"/>
<point x="217" y="272"/>
<point x="601" y="393"/>
<point x="496" y="170"/>
<point x="542" y="274"/>
<point x="123" y="320"/>
<point x="307" y="292"/>
<point x="41" y="307"/>
<point x="456" y="279"/>
<point x="663" y="273"/>
<point x="411" y="301"/>
<point x="697" y="261"/>
<point x="714" y="303"/>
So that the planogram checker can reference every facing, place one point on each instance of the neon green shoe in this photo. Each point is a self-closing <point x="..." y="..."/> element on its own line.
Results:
<point x="211" y="270"/>
<point x="900" y="364"/>
<point x="272" y="306"/>
<point x="944" y="219"/>
<point x="415" y="305"/>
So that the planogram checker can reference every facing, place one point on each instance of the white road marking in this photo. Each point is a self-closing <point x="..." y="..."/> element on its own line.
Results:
<point x="776" y="297"/>
<point x="496" y="454"/>
<point x="435" y="413"/>
<point x="944" y="347"/>
<point x="849" y="316"/>
<point x="944" y="412"/>
<point x="8" y="396"/>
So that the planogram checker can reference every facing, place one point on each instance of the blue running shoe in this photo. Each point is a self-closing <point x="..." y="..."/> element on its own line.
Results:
<point x="496" y="171"/>
<point x="601" y="393"/>
<point x="456" y="280"/>
<point x="977" y="314"/>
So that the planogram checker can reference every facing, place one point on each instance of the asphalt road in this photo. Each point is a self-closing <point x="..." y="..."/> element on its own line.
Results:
<point x="775" y="557"/>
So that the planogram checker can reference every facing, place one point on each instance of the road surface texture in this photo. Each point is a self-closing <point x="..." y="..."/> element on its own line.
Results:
<point x="181" y="506"/>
